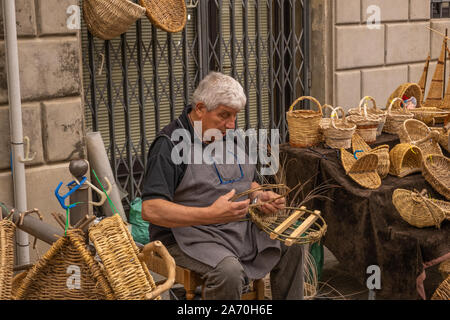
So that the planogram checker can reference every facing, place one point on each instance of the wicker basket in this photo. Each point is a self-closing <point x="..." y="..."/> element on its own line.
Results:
<point x="374" y="111"/>
<point x="443" y="291"/>
<point x="325" y="122"/>
<point x="7" y="238"/>
<point x="339" y="133"/>
<point x="108" y="19"/>
<point x="360" y="146"/>
<point x="304" y="125"/>
<point x="362" y="170"/>
<point x="417" y="209"/>
<point x="405" y="159"/>
<point x="395" y="119"/>
<point x="168" y="15"/>
<point x="367" y="125"/>
<point x="429" y="115"/>
<point x="436" y="170"/>
<point x="408" y="89"/>
<point x="443" y="138"/>
<point x="49" y="278"/>
<point x="444" y="268"/>
<point x="416" y="132"/>
<point x="127" y="273"/>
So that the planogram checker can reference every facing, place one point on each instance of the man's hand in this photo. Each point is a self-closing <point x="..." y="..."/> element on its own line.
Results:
<point x="223" y="210"/>
<point x="272" y="207"/>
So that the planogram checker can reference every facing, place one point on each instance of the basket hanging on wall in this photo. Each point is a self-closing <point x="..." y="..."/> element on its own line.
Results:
<point x="168" y="15"/>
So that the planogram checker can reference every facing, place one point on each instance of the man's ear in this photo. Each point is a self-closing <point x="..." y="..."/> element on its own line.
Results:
<point x="200" y="109"/>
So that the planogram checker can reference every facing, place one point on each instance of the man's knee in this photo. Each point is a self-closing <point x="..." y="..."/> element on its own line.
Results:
<point x="231" y="271"/>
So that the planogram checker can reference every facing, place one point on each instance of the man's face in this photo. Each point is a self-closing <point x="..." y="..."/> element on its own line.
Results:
<point x="221" y="118"/>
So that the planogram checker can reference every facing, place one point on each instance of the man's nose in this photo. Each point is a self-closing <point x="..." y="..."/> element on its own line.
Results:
<point x="231" y="124"/>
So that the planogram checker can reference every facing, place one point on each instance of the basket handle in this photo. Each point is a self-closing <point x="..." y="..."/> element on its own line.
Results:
<point x="146" y="255"/>
<point x="401" y="105"/>
<point x="363" y="101"/>
<point x="291" y="108"/>
<point x="334" y="115"/>
<point x="326" y="106"/>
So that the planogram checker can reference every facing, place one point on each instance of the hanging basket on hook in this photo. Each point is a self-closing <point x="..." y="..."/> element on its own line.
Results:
<point x="168" y="15"/>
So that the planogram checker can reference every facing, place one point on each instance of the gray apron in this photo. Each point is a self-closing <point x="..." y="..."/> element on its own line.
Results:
<point x="210" y="244"/>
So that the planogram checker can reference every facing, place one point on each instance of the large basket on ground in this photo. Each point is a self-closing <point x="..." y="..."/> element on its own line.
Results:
<point x="168" y="15"/>
<point x="7" y="239"/>
<point x="374" y="111"/>
<point x="405" y="159"/>
<point x="418" y="209"/>
<point x="417" y="133"/>
<point x="339" y="133"/>
<point x="443" y="137"/>
<point x="409" y="90"/>
<point x="108" y="19"/>
<point x="359" y="147"/>
<point x="436" y="170"/>
<point x="366" y="124"/>
<point x="395" y="118"/>
<point x="443" y="291"/>
<point x="362" y="170"/>
<point x="304" y="125"/>
<point x="67" y="271"/>
<point x="125" y="269"/>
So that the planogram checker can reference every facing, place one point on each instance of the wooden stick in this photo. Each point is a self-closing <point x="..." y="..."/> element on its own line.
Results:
<point x="55" y="215"/>
<point x="303" y="227"/>
<point x="440" y="33"/>
<point x="287" y="223"/>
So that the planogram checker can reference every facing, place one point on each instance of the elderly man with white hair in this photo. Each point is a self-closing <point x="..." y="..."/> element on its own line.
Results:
<point x="189" y="205"/>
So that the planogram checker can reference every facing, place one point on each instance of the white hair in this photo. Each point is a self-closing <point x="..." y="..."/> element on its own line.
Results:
<point x="219" y="89"/>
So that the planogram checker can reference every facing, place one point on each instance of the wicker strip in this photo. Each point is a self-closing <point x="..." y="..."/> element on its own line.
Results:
<point x="417" y="209"/>
<point x="304" y="125"/>
<point x="405" y="159"/>
<point x="108" y="19"/>
<point x="168" y="15"/>
<point x="395" y="119"/>
<point x="127" y="274"/>
<point x="417" y="133"/>
<point x="368" y="125"/>
<point x="443" y="291"/>
<point x="358" y="144"/>
<point x="7" y="233"/>
<point x="406" y="89"/>
<point x="436" y="170"/>
<point x="339" y="133"/>
<point x="362" y="170"/>
<point x="49" y="278"/>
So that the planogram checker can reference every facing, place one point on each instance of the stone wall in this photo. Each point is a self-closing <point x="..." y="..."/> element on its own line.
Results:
<point x="374" y="61"/>
<point x="52" y="107"/>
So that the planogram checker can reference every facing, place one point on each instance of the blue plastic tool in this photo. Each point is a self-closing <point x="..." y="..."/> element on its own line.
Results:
<point x="62" y="199"/>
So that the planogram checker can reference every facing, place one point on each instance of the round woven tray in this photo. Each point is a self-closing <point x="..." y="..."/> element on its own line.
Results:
<point x="340" y="131"/>
<point x="443" y="291"/>
<point x="405" y="159"/>
<point x="416" y="132"/>
<point x="436" y="170"/>
<point x="168" y="15"/>
<point x="362" y="170"/>
<point x="359" y="146"/>
<point x="417" y="209"/>
<point x="7" y="239"/>
<point x="107" y="19"/>
<point x="395" y="118"/>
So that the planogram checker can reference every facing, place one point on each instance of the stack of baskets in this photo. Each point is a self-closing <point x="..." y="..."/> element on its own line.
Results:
<point x="7" y="239"/>
<point x="416" y="132"/>
<point x="360" y="146"/>
<point x="436" y="170"/>
<point x="395" y="119"/>
<point x="304" y="125"/>
<point x="405" y="159"/>
<point x="339" y="133"/>
<point x="419" y="210"/>
<point x="368" y="125"/>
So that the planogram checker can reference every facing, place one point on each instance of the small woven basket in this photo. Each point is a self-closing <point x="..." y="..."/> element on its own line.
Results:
<point x="362" y="170"/>
<point x="443" y="138"/>
<point x="50" y="277"/>
<point x="168" y="15"/>
<point x="443" y="291"/>
<point x="436" y="170"/>
<point x="374" y="111"/>
<point x="395" y="119"/>
<point x="417" y="209"/>
<point x="360" y="146"/>
<point x="367" y="125"/>
<point x="339" y="133"/>
<point x="405" y="159"/>
<point x="416" y="132"/>
<point x="304" y="125"/>
<point x="7" y="238"/>
<point x="107" y="19"/>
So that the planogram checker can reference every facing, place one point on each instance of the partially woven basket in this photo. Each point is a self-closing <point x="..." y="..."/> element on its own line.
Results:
<point x="405" y="159"/>
<point x="107" y="19"/>
<point x="417" y="133"/>
<point x="367" y="125"/>
<point x="374" y="111"/>
<point x="360" y="146"/>
<point x="304" y="125"/>
<point x="436" y="170"/>
<point x="362" y="170"/>
<point x="50" y="277"/>
<point x="395" y="119"/>
<point x="7" y="239"/>
<point x="417" y="209"/>
<point x="168" y="15"/>
<point x="443" y="291"/>
<point x="339" y="133"/>
<point x="408" y="89"/>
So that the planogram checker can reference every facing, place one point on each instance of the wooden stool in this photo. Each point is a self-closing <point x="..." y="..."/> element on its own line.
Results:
<point x="191" y="280"/>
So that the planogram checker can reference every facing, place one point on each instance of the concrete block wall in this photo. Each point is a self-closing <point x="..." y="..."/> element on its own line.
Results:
<point x="52" y="106"/>
<point x="374" y="59"/>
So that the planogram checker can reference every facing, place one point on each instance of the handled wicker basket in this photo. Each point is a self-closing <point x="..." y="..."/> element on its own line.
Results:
<point x="107" y="19"/>
<point x="374" y="111"/>
<point x="367" y="125"/>
<point x="405" y="160"/>
<point x="325" y="122"/>
<point x="304" y="125"/>
<point x="395" y="119"/>
<point x="360" y="146"/>
<point x="168" y="15"/>
<point x="362" y="170"/>
<point x="418" y="209"/>
<point x="436" y="170"/>
<point x="416" y="132"/>
<point x="339" y="133"/>
<point x="7" y="238"/>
